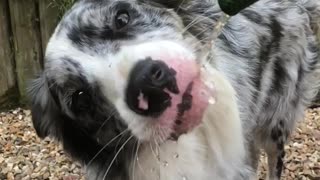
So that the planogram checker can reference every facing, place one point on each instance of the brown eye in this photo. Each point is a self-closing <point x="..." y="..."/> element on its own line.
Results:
<point x="122" y="19"/>
<point x="81" y="101"/>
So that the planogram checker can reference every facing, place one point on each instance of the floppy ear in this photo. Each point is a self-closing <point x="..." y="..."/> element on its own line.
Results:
<point x="45" y="112"/>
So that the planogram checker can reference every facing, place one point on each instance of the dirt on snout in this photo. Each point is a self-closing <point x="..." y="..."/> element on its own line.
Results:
<point x="24" y="156"/>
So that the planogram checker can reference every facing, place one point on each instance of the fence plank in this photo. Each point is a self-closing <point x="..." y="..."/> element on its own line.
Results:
<point x="317" y="100"/>
<point x="7" y="75"/>
<point x="49" y="16"/>
<point x="27" y="41"/>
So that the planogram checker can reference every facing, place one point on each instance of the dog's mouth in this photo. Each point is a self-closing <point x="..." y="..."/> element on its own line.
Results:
<point x="185" y="106"/>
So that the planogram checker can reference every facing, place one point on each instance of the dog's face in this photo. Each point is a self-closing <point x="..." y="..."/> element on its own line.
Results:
<point x="119" y="65"/>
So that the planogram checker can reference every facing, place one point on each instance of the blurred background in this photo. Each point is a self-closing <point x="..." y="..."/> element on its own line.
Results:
<point x="25" y="28"/>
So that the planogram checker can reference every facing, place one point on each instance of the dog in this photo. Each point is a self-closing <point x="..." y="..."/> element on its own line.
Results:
<point x="142" y="90"/>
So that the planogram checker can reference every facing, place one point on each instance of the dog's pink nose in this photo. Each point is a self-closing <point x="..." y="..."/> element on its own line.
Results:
<point x="149" y="86"/>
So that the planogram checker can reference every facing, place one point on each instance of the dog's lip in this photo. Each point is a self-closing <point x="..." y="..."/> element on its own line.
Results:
<point x="192" y="117"/>
<point x="192" y="91"/>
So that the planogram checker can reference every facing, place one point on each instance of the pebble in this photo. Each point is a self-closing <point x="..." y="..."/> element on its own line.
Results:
<point x="25" y="156"/>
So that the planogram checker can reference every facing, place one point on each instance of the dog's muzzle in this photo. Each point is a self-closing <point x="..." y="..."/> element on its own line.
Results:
<point x="169" y="91"/>
<point x="149" y="87"/>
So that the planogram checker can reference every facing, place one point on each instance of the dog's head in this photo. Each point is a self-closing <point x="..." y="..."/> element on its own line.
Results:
<point x="117" y="65"/>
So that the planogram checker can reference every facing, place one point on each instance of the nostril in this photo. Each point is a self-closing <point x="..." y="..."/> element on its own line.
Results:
<point x="158" y="76"/>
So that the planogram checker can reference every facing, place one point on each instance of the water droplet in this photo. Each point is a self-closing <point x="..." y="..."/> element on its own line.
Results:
<point x="165" y="164"/>
<point x="212" y="100"/>
<point x="210" y="85"/>
<point x="176" y="156"/>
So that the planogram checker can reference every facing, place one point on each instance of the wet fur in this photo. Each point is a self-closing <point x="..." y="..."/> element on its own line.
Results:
<point x="268" y="53"/>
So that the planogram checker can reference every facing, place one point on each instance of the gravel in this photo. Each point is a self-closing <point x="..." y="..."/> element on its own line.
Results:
<point x="24" y="156"/>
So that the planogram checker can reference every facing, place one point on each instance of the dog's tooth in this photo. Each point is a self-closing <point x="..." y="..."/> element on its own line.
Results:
<point x="184" y="178"/>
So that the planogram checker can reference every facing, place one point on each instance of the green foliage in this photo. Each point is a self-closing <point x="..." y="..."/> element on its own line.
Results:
<point x="62" y="5"/>
<point x="233" y="7"/>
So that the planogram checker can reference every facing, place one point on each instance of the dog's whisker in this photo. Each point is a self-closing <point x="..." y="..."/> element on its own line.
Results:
<point x="198" y="19"/>
<point x="53" y="83"/>
<point x="135" y="155"/>
<point x="180" y="6"/>
<point x="107" y="119"/>
<point x="105" y="146"/>
<point x="152" y="150"/>
<point x="138" y="162"/>
<point x="118" y="143"/>
<point x="116" y="155"/>
<point x="157" y="149"/>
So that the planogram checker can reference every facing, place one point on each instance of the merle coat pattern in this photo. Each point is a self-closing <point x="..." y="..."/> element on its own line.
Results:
<point x="268" y="53"/>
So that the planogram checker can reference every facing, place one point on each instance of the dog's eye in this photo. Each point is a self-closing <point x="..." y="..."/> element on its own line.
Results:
<point x="122" y="19"/>
<point x="80" y="101"/>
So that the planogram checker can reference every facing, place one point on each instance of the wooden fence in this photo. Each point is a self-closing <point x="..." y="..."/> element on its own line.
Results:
<point x="25" y="27"/>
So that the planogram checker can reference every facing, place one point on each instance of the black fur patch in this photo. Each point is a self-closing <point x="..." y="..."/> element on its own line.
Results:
<point x="276" y="134"/>
<point x="186" y="103"/>
<point x="88" y="35"/>
<point x="280" y="76"/>
<point x="268" y="47"/>
<point x="78" y="134"/>
<point x="254" y="17"/>
<point x="280" y="162"/>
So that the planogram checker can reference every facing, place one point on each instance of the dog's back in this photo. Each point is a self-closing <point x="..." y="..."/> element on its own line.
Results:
<point x="270" y="54"/>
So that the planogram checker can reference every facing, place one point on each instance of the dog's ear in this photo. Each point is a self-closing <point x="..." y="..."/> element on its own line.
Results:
<point x="44" y="109"/>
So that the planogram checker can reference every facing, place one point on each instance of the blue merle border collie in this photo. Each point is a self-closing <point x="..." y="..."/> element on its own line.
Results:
<point x="142" y="90"/>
